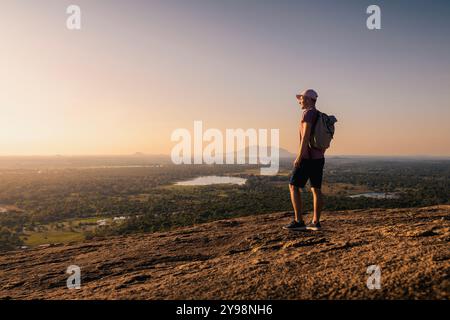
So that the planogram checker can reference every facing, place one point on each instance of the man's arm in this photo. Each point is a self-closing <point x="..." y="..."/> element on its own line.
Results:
<point x="304" y="141"/>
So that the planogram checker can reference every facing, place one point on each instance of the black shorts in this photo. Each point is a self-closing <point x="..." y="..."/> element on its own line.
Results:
<point x="311" y="169"/>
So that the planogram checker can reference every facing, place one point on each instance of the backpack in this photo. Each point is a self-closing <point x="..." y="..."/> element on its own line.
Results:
<point x="323" y="131"/>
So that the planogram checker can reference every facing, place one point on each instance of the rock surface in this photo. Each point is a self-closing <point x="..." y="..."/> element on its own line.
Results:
<point x="250" y="258"/>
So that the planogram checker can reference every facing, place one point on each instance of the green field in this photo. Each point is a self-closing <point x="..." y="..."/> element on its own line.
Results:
<point x="69" y="231"/>
<point x="34" y="239"/>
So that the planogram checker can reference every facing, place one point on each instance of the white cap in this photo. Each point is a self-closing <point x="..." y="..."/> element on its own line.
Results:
<point x="310" y="93"/>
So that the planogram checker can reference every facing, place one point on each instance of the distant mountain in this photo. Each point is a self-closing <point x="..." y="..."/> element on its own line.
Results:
<point x="283" y="153"/>
<point x="286" y="154"/>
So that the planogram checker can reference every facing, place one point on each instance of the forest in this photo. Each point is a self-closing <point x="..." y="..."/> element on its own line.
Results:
<point x="66" y="203"/>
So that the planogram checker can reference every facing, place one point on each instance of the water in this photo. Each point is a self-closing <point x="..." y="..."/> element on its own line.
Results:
<point x="376" y="195"/>
<point x="209" y="180"/>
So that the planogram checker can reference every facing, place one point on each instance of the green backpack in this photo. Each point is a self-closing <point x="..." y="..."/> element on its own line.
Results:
<point x="323" y="131"/>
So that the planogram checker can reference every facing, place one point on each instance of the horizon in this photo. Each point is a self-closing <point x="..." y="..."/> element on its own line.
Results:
<point x="168" y="155"/>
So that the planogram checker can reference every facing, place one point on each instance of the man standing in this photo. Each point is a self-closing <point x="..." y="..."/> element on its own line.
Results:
<point x="308" y="165"/>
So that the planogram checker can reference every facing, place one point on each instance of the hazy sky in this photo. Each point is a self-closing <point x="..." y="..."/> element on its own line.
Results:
<point x="140" y="69"/>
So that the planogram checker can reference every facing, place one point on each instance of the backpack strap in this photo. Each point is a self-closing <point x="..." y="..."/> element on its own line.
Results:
<point x="313" y="128"/>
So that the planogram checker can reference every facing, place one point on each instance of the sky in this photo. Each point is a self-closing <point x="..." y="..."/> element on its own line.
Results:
<point x="138" y="70"/>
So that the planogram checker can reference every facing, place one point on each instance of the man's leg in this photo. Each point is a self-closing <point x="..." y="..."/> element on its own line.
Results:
<point x="296" y="200"/>
<point x="318" y="203"/>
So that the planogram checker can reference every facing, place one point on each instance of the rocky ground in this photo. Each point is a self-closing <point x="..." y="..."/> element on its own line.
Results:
<point x="250" y="258"/>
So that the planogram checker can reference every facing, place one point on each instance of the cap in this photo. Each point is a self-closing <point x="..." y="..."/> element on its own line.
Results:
<point x="310" y="93"/>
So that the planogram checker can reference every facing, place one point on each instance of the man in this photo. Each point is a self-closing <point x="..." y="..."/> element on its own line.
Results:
<point x="308" y="165"/>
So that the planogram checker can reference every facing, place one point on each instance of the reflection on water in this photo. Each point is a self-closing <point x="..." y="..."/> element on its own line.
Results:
<point x="208" y="180"/>
<point x="376" y="195"/>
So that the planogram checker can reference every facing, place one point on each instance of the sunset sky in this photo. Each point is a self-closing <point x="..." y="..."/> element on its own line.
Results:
<point x="137" y="70"/>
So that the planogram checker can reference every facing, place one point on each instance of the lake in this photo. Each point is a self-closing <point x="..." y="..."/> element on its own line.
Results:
<point x="376" y="195"/>
<point x="209" y="180"/>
